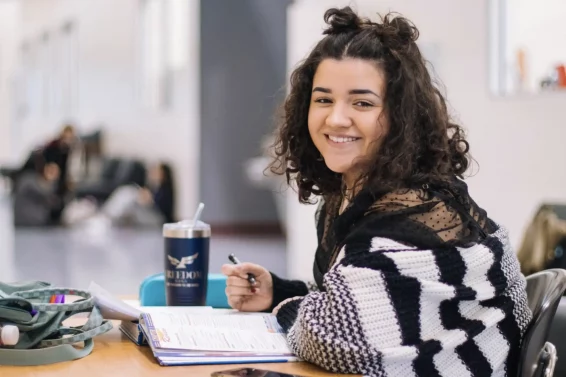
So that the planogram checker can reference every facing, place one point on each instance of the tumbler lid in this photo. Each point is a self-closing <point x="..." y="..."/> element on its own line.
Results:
<point x="186" y="229"/>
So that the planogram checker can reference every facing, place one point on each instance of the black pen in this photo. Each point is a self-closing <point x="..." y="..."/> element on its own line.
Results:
<point x="251" y="277"/>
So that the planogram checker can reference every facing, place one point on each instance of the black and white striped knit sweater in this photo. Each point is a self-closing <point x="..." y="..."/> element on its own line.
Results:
<point x="388" y="309"/>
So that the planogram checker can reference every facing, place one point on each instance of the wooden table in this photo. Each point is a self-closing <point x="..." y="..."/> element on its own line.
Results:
<point x="115" y="355"/>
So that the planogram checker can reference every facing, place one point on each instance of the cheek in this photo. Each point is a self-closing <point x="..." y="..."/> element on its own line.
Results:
<point x="315" y="122"/>
<point x="374" y="128"/>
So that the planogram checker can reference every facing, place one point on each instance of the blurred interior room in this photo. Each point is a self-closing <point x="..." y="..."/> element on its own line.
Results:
<point x="183" y="95"/>
<point x="117" y="116"/>
<point x="134" y="81"/>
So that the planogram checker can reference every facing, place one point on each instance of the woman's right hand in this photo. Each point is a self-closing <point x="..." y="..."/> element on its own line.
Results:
<point x="241" y="294"/>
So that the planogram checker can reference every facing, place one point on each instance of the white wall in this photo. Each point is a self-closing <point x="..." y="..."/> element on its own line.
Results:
<point x="9" y="29"/>
<point x="108" y="88"/>
<point x="518" y="142"/>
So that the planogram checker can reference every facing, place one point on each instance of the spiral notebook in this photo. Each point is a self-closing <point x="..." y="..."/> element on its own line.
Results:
<point x="223" y="337"/>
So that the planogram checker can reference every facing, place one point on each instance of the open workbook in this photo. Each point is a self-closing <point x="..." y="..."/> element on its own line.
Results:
<point x="197" y="335"/>
<point x="210" y="337"/>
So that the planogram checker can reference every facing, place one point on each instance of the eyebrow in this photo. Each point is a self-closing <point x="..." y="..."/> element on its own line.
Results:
<point x="353" y="91"/>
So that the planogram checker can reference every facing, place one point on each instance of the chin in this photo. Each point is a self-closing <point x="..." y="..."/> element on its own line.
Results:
<point x="338" y="168"/>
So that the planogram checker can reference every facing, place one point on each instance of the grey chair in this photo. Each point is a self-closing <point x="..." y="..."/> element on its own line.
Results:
<point x="557" y="337"/>
<point x="544" y="291"/>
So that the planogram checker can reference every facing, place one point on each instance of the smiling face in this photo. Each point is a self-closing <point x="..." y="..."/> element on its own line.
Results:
<point x="346" y="119"/>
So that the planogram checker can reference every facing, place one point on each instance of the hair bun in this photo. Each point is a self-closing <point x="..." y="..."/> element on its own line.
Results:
<point x="341" y="20"/>
<point x="394" y="30"/>
<point x="397" y="31"/>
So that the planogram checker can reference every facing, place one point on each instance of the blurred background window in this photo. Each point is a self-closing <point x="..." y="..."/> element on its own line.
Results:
<point x="527" y="49"/>
<point x="164" y="49"/>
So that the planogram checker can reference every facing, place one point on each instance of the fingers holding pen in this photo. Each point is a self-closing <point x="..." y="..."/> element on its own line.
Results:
<point x="249" y="287"/>
<point x="241" y="291"/>
<point x="236" y="281"/>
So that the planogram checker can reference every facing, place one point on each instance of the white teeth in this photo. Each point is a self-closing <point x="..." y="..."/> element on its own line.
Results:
<point x="338" y="139"/>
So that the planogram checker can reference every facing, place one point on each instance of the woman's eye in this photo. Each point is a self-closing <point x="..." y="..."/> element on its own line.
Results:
<point x="322" y="100"/>
<point x="363" y="104"/>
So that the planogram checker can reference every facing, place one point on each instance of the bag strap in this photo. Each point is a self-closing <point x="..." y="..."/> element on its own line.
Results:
<point x="77" y="335"/>
<point x="94" y="326"/>
<point x="43" y="295"/>
<point x="42" y="356"/>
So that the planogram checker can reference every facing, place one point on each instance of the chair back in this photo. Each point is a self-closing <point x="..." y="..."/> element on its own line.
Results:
<point x="544" y="290"/>
<point x="556" y="337"/>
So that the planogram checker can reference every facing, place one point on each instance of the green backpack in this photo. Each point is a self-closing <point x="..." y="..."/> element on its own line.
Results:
<point x="43" y="337"/>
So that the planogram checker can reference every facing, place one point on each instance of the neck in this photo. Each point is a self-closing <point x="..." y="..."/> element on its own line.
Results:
<point x="349" y="181"/>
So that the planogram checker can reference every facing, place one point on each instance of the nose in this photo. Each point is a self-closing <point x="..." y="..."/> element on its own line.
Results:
<point x="339" y="117"/>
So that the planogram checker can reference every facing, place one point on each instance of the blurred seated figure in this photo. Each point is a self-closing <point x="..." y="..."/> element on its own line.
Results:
<point x="55" y="151"/>
<point x="114" y="173"/>
<point x="35" y="197"/>
<point x="132" y="204"/>
<point x="542" y="246"/>
<point x="152" y="205"/>
<point x="160" y="194"/>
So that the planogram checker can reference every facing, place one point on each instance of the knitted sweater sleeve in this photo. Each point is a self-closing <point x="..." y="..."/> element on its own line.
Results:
<point x="392" y="310"/>
<point x="284" y="289"/>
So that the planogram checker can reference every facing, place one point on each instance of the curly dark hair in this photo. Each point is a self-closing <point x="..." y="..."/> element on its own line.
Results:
<point x="422" y="145"/>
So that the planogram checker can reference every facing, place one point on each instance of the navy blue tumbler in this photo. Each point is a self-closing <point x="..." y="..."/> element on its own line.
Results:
<point x="186" y="263"/>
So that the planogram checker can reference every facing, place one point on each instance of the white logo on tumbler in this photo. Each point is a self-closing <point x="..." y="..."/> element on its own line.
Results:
<point x="183" y="262"/>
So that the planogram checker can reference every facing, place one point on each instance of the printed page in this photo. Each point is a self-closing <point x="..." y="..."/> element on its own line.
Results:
<point x="151" y="309"/>
<point x="255" y="322"/>
<point x="234" y="332"/>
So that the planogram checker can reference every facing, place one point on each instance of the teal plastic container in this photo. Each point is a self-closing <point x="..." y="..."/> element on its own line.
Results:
<point x="152" y="291"/>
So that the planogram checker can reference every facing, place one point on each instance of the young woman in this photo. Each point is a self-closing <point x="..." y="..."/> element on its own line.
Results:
<point x="412" y="278"/>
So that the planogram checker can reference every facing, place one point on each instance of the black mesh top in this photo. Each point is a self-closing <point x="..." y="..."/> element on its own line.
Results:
<point x="429" y="216"/>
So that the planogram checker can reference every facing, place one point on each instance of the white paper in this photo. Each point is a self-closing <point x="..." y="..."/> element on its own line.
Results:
<point x="235" y="322"/>
<point x="235" y="333"/>
<point x="112" y="307"/>
<point x="228" y="340"/>
<point x="174" y="309"/>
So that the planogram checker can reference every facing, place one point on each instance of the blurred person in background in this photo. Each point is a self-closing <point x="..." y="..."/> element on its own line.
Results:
<point x="57" y="151"/>
<point x="411" y="277"/>
<point x="159" y="196"/>
<point x="132" y="205"/>
<point x="35" y="197"/>
<point x="541" y="248"/>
